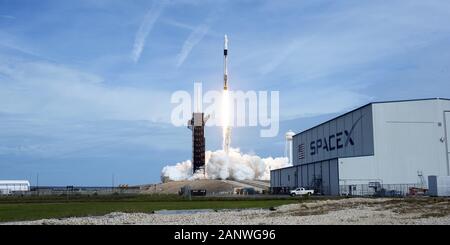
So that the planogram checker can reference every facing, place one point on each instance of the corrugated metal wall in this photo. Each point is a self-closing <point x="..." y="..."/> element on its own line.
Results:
<point x="325" y="173"/>
<point x="447" y="137"/>
<point x="346" y="136"/>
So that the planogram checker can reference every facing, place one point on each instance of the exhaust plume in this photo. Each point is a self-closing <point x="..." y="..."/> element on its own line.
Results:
<point x="220" y="165"/>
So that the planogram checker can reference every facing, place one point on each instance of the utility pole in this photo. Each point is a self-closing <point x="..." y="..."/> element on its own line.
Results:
<point x="37" y="184"/>
<point x="112" y="183"/>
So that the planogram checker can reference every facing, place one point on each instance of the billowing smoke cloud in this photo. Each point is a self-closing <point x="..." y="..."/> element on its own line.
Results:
<point x="236" y="166"/>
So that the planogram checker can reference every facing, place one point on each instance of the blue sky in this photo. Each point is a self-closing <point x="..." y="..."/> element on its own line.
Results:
<point x="85" y="85"/>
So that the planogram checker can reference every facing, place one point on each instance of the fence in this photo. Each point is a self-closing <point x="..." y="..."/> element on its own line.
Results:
<point x="381" y="190"/>
<point x="385" y="190"/>
<point x="280" y="190"/>
<point x="70" y="190"/>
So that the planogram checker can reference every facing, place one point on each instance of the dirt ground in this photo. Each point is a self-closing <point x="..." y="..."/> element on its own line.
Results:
<point x="346" y="211"/>
<point x="422" y="207"/>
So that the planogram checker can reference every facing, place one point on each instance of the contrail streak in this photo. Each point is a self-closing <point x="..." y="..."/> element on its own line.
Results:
<point x="194" y="38"/>
<point x="145" y="28"/>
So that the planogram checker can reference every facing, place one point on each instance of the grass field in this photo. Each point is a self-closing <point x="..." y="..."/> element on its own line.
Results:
<point x="33" y="208"/>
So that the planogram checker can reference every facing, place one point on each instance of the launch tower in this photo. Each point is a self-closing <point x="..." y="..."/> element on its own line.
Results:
<point x="197" y="125"/>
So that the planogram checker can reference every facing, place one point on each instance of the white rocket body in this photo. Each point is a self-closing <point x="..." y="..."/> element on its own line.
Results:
<point x="225" y="71"/>
<point x="226" y="100"/>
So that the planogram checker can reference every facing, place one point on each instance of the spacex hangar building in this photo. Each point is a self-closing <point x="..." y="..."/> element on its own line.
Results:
<point x="381" y="143"/>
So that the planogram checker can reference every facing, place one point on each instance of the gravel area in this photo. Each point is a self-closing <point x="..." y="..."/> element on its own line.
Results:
<point x="325" y="212"/>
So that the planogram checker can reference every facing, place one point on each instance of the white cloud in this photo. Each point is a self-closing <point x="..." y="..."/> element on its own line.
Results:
<point x="314" y="101"/>
<point x="194" y="38"/>
<point x="7" y="17"/>
<point x="51" y="110"/>
<point x="345" y="37"/>
<point x="28" y="135"/>
<point x="50" y="90"/>
<point x="11" y="43"/>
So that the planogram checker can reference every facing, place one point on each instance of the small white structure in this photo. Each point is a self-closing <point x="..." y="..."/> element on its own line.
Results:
<point x="439" y="186"/>
<point x="10" y="186"/>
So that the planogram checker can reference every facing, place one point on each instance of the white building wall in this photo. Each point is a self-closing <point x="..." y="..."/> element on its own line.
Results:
<point x="358" y="170"/>
<point x="408" y="137"/>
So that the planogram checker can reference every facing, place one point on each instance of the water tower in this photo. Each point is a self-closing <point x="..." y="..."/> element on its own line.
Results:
<point x="288" y="147"/>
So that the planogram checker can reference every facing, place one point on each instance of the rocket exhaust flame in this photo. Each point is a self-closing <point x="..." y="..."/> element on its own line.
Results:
<point x="226" y="129"/>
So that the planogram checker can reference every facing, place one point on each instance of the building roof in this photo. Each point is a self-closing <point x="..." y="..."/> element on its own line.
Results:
<point x="375" y="102"/>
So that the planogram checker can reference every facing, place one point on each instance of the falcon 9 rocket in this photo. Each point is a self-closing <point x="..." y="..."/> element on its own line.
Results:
<point x="226" y="130"/>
